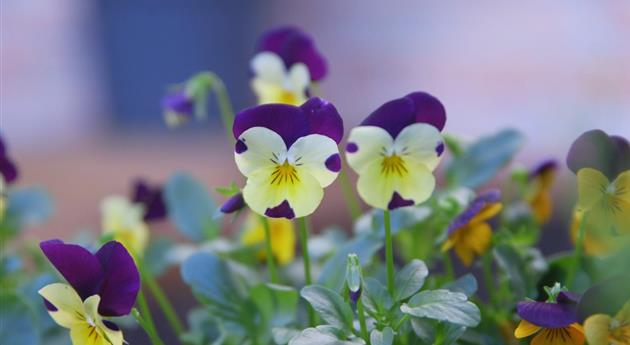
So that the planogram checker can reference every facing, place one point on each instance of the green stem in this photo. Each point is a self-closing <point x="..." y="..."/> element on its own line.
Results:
<point x="487" y="276"/>
<point x="308" y="280"/>
<point x="145" y="319"/>
<point x="362" y="323"/>
<point x="401" y="322"/>
<point x="349" y="195"/>
<point x="215" y="83"/>
<point x="389" y="253"/>
<point x="160" y="297"/>
<point x="448" y="265"/>
<point x="271" y="264"/>
<point x="578" y="252"/>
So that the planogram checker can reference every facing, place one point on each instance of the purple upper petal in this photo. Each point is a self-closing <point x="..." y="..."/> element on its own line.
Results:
<point x="7" y="167"/>
<point x="293" y="45"/>
<point x="476" y="206"/>
<point x="178" y="102"/>
<point x="548" y="315"/>
<point x="233" y="204"/>
<point x="121" y="280"/>
<point x="416" y="107"/>
<point x="151" y="198"/>
<point x="316" y="116"/>
<point x="76" y="264"/>
<point x="544" y="166"/>
<point x="595" y="149"/>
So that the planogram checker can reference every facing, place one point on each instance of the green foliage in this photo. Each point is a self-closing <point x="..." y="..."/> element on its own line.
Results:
<point x="443" y="305"/>
<point x="410" y="279"/>
<point x="18" y="321"/>
<point x="329" y="305"/>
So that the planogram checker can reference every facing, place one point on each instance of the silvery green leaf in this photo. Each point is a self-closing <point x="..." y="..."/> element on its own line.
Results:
<point x="443" y="305"/>
<point x="329" y="305"/>
<point x="410" y="279"/>
<point x="427" y="330"/>
<point x="386" y="337"/>
<point x="157" y="256"/>
<point x="324" y="335"/>
<point x="18" y="321"/>
<point x="401" y="218"/>
<point x="376" y="297"/>
<point x="466" y="284"/>
<point x="282" y="335"/>
<point x="29" y="205"/>
<point x="277" y="304"/>
<point x="510" y="261"/>
<point x="333" y="271"/>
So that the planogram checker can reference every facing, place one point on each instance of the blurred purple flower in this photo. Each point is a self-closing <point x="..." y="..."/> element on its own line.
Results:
<point x="151" y="198"/>
<point x="7" y="167"/>
<point x="178" y="108"/>
<point x="233" y="204"/>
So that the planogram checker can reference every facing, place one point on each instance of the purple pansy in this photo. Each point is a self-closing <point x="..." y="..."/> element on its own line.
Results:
<point x="292" y="45"/>
<point x="178" y="107"/>
<point x="110" y="273"/>
<point x="416" y="107"/>
<point x="476" y="206"/>
<point x="151" y="198"/>
<point x="316" y="116"/>
<point x="233" y="204"/>
<point x="596" y="149"/>
<point x="543" y="167"/>
<point x="550" y="315"/>
<point x="7" y="167"/>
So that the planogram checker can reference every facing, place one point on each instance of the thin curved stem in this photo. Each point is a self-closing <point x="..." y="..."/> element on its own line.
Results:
<point x="389" y="253"/>
<point x="271" y="264"/>
<point x="362" y="323"/>
<point x="145" y="320"/>
<point x="578" y="252"/>
<point x="308" y="280"/>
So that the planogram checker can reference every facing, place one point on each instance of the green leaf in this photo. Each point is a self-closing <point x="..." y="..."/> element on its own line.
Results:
<point x="18" y="322"/>
<point x="329" y="305"/>
<point x="282" y="336"/>
<point x="429" y="330"/>
<point x="228" y="191"/>
<point x="277" y="304"/>
<point x="509" y="260"/>
<point x="443" y="305"/>
<point x="376" y="297"/>
<point x="410" y="279"/>
<point x="466" y="284"/>
<point x="324" y="335"/>
<point x="190" y="207"/>
<point x="483" y="159"/>
<point x="334" y="270"/>
<point x="386" y="337"/>
<point x="157" y="258"/>
<point x="29" y="205"/>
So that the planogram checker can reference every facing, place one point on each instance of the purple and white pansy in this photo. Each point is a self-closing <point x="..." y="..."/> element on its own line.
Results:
<point x="289" y="155"/>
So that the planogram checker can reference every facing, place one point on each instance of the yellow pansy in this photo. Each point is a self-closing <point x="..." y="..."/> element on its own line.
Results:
<point x="602" y="329"/>
<point x="282" y="237"/>
<point x="539" y="195"/>
<point x="274" y="83"/>
<point x="605" y="203"/>
<point x="124" y="221"/>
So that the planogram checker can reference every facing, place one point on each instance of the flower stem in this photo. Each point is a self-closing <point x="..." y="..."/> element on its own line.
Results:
<point x="389" y="252"/>
<point x="145" y="319"/>
<point x="271" y="264"/>
<point x="362" y="323"/>
<point x="349" y="195"/>
<point x="308" y="280"/>
<point x="215" y="84"/>
<point x="448" y="265"/>
<point x="578" y="252"/>
<point x="487" y="276"/>
<point x="163" y="302"/>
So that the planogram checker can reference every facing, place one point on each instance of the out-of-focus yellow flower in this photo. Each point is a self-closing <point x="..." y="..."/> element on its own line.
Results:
<point x="274" y="83"/>
<point x="605" y="203"/>
<point x="282" y="237"/>
<point x="602" y="329"/>
<point x="124" y="220"/>
<point x="596" y="242"/>
<point x="539" y="196"/>
<point x="469" y="233"/>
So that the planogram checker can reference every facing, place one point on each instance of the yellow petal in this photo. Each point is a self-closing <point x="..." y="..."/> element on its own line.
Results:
<point x="370" y="142"/>
<point x="487" y="212"/>
<point x="68" y="303"/>
<point x="620" y="201"/>
<point x="525" y="329"/>
<point x="597" y="329"/>
<point x="124" y="220"/>
<point x="571" y="335"/>
<point x="592" y="186"/>
<point x="541" y="206"/>
<point x="263" y="146"/>
<point x="282" y="237"/>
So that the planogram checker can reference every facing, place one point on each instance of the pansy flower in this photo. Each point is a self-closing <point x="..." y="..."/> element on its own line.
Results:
<point x="284" y="66"/>
<point x="539" y="197"/>
<point x="124" y="221"/>
<point x="177" y="107"/>
<point x="282" y="237"/>
<point x="553" y="322"/>
<point x="395" y="150"/>
<point x="8" y="170"/>
<point x="469" y="233"/>
<point x="100" y="285"/>
<point x="150" y="197"/>
<point x="288" y="154"/>
<point x="597" y="241"/>
<point x="602" y="329"/>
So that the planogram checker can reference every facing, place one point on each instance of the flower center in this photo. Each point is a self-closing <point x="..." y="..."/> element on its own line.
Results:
<point x="284" y="173"/>
<point x="287" y="97"/>
<point x="393" y="164"/>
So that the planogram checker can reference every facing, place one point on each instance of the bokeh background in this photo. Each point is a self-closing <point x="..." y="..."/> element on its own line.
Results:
<point x="82" y="80"/>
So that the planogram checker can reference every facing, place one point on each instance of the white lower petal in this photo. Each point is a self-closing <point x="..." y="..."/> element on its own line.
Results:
<point x="418" y="143"/>
<point x="311" y="153"/>
<point x="262" y="147"/>
<point x="367" y="144"/>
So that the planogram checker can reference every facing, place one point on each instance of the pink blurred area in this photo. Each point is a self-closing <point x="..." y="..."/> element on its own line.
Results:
<point x="549" y="69"/>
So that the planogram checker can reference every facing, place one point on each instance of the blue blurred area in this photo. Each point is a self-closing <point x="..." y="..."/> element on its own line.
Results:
<point x="149" y="44"/>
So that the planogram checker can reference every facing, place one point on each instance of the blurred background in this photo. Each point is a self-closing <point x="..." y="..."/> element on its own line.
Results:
<point x="82" y="80"/>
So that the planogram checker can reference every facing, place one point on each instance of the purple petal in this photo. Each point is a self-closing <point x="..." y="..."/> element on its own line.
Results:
<point x="151" y="198"/>
<point x="111" y="325"/>
<point x="121" y="280"/>
<point x="439" y="149"/>
<point x="595" y="149"/>
<point x="8" y="169"/>
<point x="392" y="116"/>
<point x="476" y="206"/>
<point x="333" y="163"/>
<point x="178" y="102"/>
<point x="233" y="204"/>
<point x="76" y="264"/>
<point x="568" y="297"/>
<point x="428" y="109"/>
<point x="49" y="306"/>
<point x="3" y="148"/>
<point x="352" y="147"/>
<point x="240" y="146"/>
<point x="547" y="315"/>
<point x="398" y="201"/>
<point x="316" y="116"/>
<point x="293" y="45"/>
<point x="355" y="295"/>
<point x="543" y="167"/>
<point x="283" y="210"/>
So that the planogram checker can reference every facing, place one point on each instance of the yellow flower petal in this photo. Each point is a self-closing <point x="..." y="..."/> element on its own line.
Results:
<point x="124" y="220"/>
<point x="597" y="329"/>
<point x="67" y="301"/>
<point x="541" y="206"/>
<point x="571" y="335"/>
<point x="282" y="237"/>
<point x="620" y="202"/>
<point x="525" y="329"/>
<point x="369" y="141"/>
<point x="592" y="186"/>
<point x="472" y="240"/>
<point x="487" y="212"/>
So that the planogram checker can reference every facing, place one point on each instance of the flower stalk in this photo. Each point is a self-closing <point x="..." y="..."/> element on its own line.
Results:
<point x="389" y="252"/>
<point x="308" y="280"/>
<point x="578" y="252"/>
<point x="145" y="320"/>
<point x="271" y="264"/>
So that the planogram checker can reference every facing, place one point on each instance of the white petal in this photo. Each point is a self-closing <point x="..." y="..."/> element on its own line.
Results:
<point x="418" y="143"/>
<point x="262" y="146"/>
<point x="310" y="154"/>
<point x="269" y="67"/>
<point x="371" y="142"/>
<point x="67" y="301"/>
<point x="299" y="78"/>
